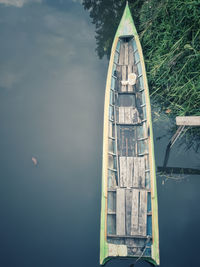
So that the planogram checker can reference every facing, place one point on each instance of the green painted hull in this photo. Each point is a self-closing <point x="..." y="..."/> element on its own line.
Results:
<point x="127" y="28"/>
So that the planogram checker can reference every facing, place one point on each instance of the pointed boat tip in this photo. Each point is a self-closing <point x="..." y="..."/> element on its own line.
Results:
<point x="127" y="6"/>
<point x="126" y="25"/>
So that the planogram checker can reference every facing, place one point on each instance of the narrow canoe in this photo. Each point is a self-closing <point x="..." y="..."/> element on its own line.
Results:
<point x="129" y="211"/>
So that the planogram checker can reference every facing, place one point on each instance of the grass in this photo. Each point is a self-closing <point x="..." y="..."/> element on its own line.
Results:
<point x="170" y="37"/>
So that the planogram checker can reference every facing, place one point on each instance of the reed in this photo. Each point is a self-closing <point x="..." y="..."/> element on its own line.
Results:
<point x="170" y="32"/>
<point x="170" y="36"/>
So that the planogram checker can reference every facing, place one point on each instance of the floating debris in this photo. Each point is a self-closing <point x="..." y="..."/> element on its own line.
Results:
<point x="168" y="111"/>
<point x="34" y="160"/>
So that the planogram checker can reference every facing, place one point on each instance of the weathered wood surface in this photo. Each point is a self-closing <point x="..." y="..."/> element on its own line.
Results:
<point x="111" y="146"/>
<point x="121" y="55"/>
<point x="135" y="69"/>
<point x="123" y="171"/>
<point x="128" y="115"/>
<point x="143" y="213"/>
<point x="130" y="164"/>
<point x="120" y="212"/>
<point x="121" y="114"/>
<point x="136" y="242"/>
<point x="128" y="211"/>
<point x="131" y="55"/>
<point x="130" y="70"/>
<point x="131" y="194"/>
<point x="135" y="211"/>
<point x="112" y="180"/>
<point x="110" y="162"/>
<point x="126" y="54"/>
<point x="132" y="172"/>
<point x="111" y="202"/>
<point x="137" y="57"/>
<point x="139" y="102"/>
<point x="139" y="172"/>
<point x="139" y="212"/>
<point x="111" y="224"/>
<point x="126" y="60"/>
<point x="188" y="120"/>
<point x="124" y="78"/>
<point x="135" y="116"/>
<point x="119" y="78"/>
<point x="146" y="158"/>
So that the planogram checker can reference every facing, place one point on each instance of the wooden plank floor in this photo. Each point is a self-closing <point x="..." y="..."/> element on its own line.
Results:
<point x="131" y="192"/>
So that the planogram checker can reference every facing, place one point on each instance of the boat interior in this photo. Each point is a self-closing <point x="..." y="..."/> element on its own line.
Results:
<point x="129" y="217"/>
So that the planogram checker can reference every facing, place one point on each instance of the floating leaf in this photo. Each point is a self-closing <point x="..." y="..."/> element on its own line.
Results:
<point x="34" y="160"/>
<point x="168" y="111"/>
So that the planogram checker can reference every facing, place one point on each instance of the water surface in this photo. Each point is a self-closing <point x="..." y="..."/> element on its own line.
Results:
<point x="51" y="108"/>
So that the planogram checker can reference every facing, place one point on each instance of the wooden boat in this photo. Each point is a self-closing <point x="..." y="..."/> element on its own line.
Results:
<point x="129" y="212"/>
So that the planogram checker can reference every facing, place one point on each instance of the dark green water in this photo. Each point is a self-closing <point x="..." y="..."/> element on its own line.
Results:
<point x="51" y="108"/>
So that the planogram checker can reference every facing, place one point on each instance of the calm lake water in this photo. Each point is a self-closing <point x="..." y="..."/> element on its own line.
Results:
<point x="51" y="122"/>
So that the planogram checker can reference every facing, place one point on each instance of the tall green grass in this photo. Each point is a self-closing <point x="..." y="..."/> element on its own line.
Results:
<point x="170" y="37"/>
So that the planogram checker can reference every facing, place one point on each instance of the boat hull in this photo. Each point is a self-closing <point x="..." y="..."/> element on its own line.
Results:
<point x="129" y="212"/>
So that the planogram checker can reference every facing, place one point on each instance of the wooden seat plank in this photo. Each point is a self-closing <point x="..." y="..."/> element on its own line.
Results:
<point x="123" y="171"/>
<point x="128" y="211"/>
<point x="121" y="55"/>
<point x="143" y="213"/>
<point x="119" y="77"/>
<point x="124" y="78"/>
<point x="188" y="120"/>
<point x="139" y="212"/>
<point x="126" y="54"/>
<point x="120" y="211"/>
<point x="130" y="70"/>
<point x="121" y="114"/>
<point x="130" y="53"/>
<point x="135" y="212"/>
<point x="127" y="115"/>
<point x="135" y="116"/>
<point x="130" y="165"/>
<point x="139" y="172"/>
